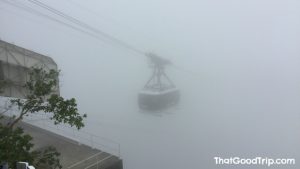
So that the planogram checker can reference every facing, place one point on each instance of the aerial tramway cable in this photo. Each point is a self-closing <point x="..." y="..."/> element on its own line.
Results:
<point x="85" y="25"/>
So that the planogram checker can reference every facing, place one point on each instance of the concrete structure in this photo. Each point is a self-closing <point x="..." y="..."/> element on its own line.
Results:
<point x="15" y="63"/>
<point x="73" y="155"/>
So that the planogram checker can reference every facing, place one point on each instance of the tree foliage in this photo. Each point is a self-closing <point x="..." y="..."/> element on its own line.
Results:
<point x="16" y="146"/>
<point x="41" y="97"/>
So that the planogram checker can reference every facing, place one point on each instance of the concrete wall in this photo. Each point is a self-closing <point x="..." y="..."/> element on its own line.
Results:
<point x="15" y="63"/>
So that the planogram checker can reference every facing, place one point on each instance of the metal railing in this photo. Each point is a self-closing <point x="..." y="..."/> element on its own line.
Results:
<point x="79" y="163"/>
<point x="79" y="136"/>
<point x="97" y="164"/>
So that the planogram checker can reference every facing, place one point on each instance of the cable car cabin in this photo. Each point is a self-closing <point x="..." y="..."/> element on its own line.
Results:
<point x="159" y="92"/>
<point x="158" y="100"/>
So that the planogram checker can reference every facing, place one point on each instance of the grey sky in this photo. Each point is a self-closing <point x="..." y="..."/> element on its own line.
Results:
<point x="237" y="67"/>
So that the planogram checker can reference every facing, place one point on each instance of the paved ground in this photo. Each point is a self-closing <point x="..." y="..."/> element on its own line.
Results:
<point x="73" y="155"/>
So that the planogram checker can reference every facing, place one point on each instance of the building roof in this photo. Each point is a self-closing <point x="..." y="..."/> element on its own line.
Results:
<point x="16" y="55"/>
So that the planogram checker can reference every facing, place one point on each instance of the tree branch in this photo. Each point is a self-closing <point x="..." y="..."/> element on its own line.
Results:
<point x="11" y="125"/>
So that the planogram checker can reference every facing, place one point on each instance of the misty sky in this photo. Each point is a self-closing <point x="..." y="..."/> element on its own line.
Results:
<point x="236" y="63"/>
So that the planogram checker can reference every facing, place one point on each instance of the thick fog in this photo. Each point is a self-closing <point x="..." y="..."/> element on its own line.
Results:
<point x="235" y="62"/>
